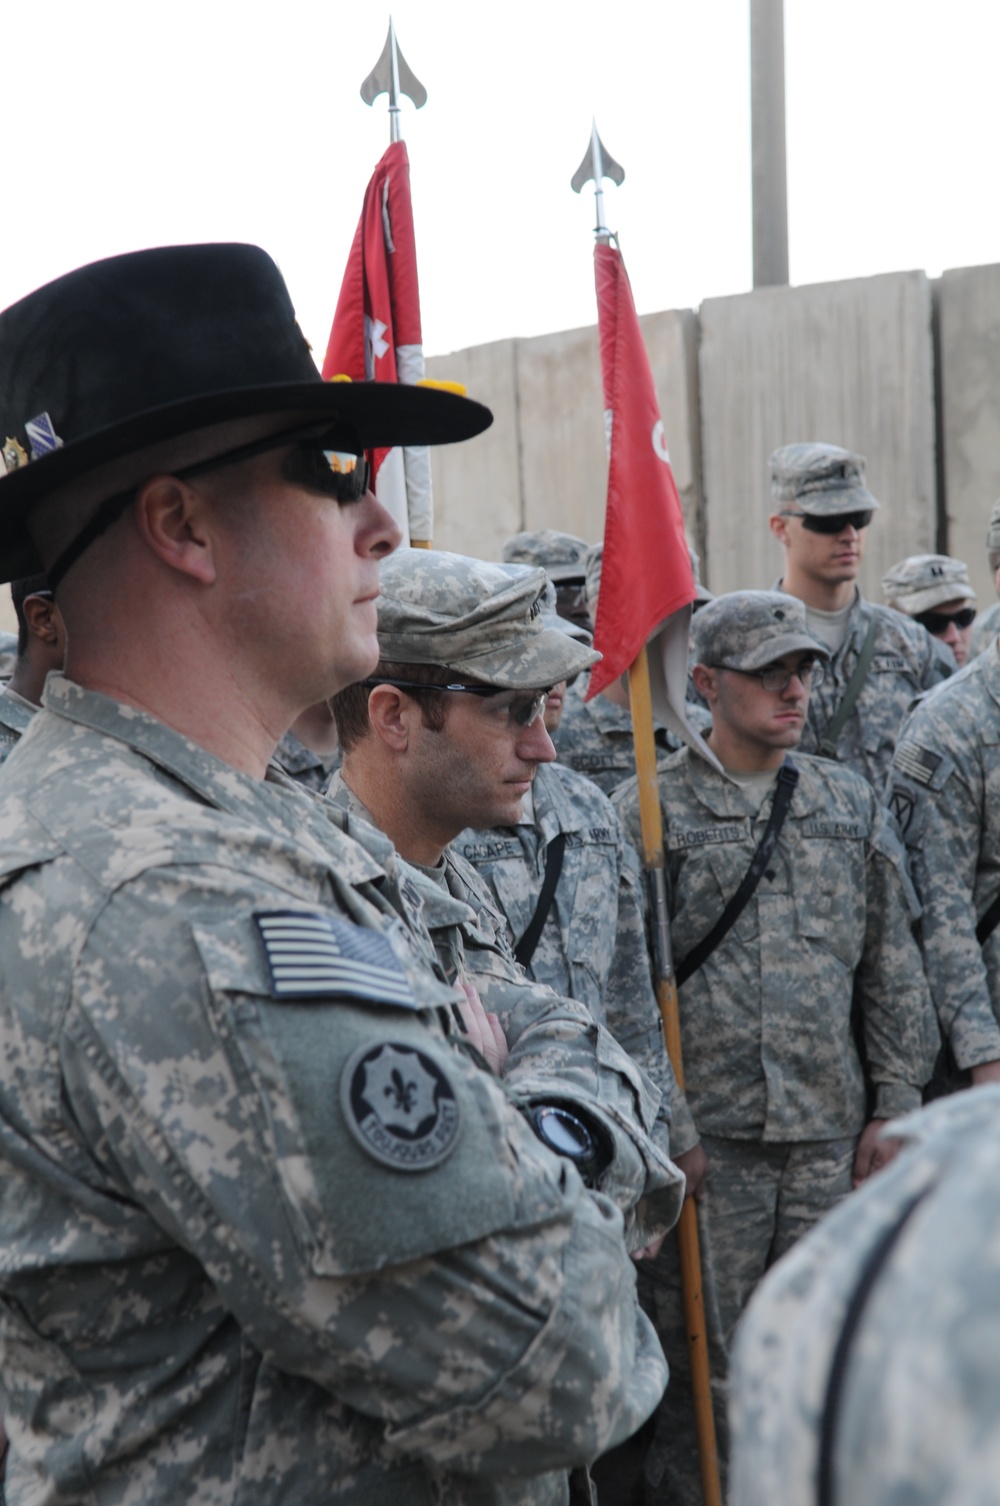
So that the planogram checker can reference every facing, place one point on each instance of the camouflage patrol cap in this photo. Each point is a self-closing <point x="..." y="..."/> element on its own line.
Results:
<point x="561" y="555"/>
<point x="993" y="531"/>
<point x="592" y="578"/>
<point x="473" y="618"/>
<point x="925" y="581"/>
<point x="822" y="479"/>
<point x="749" y="629"/>
<point x="550" y="608"/>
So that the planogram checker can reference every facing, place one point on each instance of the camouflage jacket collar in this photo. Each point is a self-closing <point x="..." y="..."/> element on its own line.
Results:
<point x="989" y="660"/>
<point x="723" y="796"/>
<point x="275" y="803"/>
<point x="15" y="712"/>
<point x="295" y="758"/>
<point x="554" y="810"/>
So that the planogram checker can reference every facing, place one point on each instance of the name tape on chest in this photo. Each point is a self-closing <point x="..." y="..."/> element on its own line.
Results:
<point x="917" y="763"/>
<point x="704" y="836"/>
<point x="891" y="664"/>
<point x="311" y="955"/>
<point x="490" y="851"/>
<point x="593" y="762"/>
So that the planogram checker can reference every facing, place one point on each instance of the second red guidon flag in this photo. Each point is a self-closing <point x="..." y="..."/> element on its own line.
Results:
<point x="646" y="570"/>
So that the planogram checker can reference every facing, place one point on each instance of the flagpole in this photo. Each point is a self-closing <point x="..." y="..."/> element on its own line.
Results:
<point x="392" y="75"/>
<point x="599" y="164"/>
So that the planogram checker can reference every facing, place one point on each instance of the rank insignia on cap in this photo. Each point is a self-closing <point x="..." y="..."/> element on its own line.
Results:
<point x="399" y="1106"/>
<point x="42" y="436"/>
<point x="312" y="955"/>
<point x="14" y="455"/>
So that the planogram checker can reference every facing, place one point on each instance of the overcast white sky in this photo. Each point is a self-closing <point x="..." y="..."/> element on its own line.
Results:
<point x="126" y="125"/>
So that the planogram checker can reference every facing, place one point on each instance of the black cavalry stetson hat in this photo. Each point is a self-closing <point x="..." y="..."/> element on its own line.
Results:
<point x="141" y="348"/>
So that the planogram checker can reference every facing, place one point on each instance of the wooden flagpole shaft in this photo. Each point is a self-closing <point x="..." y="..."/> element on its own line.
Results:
<point x="651" y="821"/>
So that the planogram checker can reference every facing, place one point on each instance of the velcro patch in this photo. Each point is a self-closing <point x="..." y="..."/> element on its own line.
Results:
<point x="311" y="955"/>
<point x="704" y="835"/>
<point x="486" y="851"/>
<point x="821" y="828"/>
<point x="902" y="803"/>
<point x="891" y="664"/>
<point x="917" y="763"/>
<point x="399" y="1106"/>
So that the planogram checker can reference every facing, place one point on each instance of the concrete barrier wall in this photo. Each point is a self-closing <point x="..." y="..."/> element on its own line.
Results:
<point x="848" y="362"/>
<point x="969" y="321"/>
<point x="543" y="464"/>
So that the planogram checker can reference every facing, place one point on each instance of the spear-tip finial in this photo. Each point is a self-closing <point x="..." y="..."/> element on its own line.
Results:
<point x="597" y="165"/>
<point x="393" y="75"/>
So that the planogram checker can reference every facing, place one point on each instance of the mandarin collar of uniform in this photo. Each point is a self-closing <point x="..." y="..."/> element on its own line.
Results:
<point x="428" y="893"/>
<point x="15" y="712"/>
<point x="991" y="669"/>
<point x="722" y="794"/>
<point x="275" y="802"/>
<point x="554" y="811"/>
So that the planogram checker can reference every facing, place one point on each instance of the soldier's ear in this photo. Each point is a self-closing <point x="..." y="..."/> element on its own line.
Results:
<point x="42" y="616"/>
<point x="391" y="712"/>
<point x="779" y="527"/>
<point x="705" y="681"/>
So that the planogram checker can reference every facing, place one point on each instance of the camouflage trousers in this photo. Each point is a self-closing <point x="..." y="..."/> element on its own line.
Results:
<point x="759" y="1199"/>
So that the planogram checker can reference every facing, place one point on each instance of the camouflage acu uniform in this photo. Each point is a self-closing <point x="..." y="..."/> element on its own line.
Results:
<point x="824" y="480"/>
<point x="985" y="630"/>
<point x="230" y="1269"/>
<point x="987" y="624"/>
<point x="470" y="939"/>
<point x="593" y="944"/>
<point x="595" y="738"/>
<point x="944" y="789"/>
<point x="312" y="770"/>
<point x="865" y="1370"/>
<point x="15" y="719"/>
<point x="8" y="654"/>
<point x="907" y="661"/>
<point x="772" y="1072"/>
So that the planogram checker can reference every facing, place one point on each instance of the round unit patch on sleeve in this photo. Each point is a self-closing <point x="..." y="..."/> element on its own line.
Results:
<point x="399" y="1106"/>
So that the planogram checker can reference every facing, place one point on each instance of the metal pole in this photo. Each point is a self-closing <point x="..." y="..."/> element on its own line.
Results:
<point x="599" y="164"/>
<point x="688" y="1244"/>
<point x="767" y="130"/>
<point x="394" y="85"/>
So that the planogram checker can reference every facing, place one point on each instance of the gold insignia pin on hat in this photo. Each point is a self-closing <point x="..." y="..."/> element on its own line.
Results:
<point x="14" y="455"/>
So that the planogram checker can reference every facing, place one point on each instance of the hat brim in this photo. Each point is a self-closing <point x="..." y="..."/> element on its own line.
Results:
<point x="382" y="414"/>
<point x="916" y="602"/>
<point x="827" y="504"/>
<point x="531" y="664"/>
<point x="776" y="648"/>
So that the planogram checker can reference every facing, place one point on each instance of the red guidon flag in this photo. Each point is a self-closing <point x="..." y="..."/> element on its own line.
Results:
<point x="647" y="583"/>
<point x="376" y="330"/>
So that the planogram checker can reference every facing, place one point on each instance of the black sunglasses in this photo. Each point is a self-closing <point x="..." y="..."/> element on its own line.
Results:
<point x="330" y="462"/>
<point x="831" y="522"/>
<point x="522" y="707"/>
<point x="937" y="622"/>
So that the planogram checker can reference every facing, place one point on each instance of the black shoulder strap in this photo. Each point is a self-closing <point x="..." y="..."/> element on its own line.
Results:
<point x="788" y="778"/>
<point x="988" y="922"/>
<point x="826" y="1491"/>
<point x="525" y="949"/>
<point x="828" y="742"/>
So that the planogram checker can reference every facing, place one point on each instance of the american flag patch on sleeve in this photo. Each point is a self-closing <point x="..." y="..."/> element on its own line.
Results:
<point x="917" y="763"/>
<point x="312" y="955"/>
